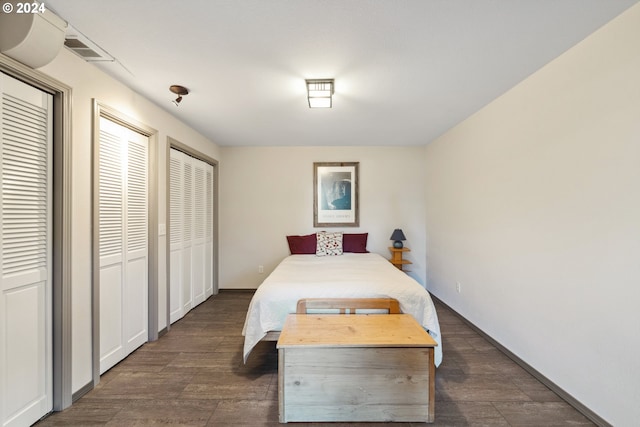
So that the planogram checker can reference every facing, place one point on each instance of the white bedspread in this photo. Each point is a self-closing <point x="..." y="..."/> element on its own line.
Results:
<point x="351" y="275"/>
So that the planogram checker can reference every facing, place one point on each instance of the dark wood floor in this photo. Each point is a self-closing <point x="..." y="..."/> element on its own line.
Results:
<point x="194" y="376"/>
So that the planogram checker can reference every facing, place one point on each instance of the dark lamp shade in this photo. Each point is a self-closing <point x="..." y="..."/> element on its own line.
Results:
<point x="397" y="235"/>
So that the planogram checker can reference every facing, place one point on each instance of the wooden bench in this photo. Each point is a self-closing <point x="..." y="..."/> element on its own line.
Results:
<point x="366" y="367"/>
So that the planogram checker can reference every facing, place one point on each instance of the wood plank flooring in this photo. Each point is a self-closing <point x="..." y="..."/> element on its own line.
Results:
<point x="194" y="376"/>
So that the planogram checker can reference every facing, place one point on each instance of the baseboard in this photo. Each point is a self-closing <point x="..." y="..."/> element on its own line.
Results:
<point x="579" y="406"/>
<point x="84" y="390"/>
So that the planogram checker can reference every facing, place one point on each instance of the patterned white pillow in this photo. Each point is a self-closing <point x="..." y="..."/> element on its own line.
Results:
<point x="329" y="243"/>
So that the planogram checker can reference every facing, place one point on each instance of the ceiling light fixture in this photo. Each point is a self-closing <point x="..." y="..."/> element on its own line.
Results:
<point x="320" y="92"/>
<point x="180" y="91"/>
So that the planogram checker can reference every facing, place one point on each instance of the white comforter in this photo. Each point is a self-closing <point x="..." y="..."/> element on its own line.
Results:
<point x="350" y="275"/>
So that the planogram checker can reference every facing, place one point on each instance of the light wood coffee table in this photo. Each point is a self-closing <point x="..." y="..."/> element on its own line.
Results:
<point x="363" y="367"/>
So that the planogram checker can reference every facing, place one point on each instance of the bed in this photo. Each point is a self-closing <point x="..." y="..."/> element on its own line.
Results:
<point x="351" y="275"/>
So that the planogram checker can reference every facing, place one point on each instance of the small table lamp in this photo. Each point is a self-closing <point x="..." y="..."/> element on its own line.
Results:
<point x="397" y="236"/>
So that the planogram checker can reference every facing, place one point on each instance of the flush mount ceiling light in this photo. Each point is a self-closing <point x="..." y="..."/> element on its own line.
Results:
<point x="180" y="91"/>
<point x="319" y="92"/>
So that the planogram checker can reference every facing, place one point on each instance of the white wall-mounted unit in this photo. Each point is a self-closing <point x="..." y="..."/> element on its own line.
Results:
<point x="34" y="39"/>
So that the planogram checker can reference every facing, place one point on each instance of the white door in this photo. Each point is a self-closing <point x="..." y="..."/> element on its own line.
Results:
<point x="175" y="235"/>
<point x="198" y="247"/>
<point x="123" y="244"/>
<point x="26" y="288"/>
<point x="208" y="247"/>
<point x="191" y="232"/>
<point x="181" y="210"/>
<point x="187" y="233"/>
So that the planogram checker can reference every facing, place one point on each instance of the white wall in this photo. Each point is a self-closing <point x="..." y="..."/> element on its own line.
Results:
<point x="533" y="205"/>
<point x="267" y="194"/>
<point x="89" y="82"/>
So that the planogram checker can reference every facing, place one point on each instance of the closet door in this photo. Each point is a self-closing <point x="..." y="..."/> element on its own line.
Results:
<point x="175" y="235"/>
<point x="187" y="233"/>
<point x="208" y="247"/>
<point x="26" y="288"/>
<point x="191" y="232"/>
<point x="123" y="247"/>
<point x="198" y="247"/>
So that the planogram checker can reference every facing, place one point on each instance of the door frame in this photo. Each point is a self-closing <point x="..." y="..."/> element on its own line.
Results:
<point x="102" y="110"/>
<point x="173" y="143"/>
<point x="61" y="223"/>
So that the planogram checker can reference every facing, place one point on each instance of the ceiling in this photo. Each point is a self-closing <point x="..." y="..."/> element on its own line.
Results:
<point x="405" y="71"/>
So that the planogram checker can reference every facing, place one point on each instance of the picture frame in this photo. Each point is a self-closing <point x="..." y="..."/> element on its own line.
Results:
<point x="335" y="194"/>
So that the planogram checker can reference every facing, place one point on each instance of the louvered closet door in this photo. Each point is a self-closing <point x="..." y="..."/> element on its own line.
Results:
<point x="25" y="290"/>
<point x="191" y="234"/>
<point x="187" y="233"/>
<point x="198" y="251"/>
<point x="123" y="242"/>
<point x="175" y="235"/>
<point x="208" y="247"/>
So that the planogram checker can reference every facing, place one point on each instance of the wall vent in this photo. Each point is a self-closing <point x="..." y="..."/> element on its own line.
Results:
<point x="80" y="44"/>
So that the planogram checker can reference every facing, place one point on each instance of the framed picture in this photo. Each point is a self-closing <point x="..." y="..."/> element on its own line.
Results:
<point x="335" y="194"/>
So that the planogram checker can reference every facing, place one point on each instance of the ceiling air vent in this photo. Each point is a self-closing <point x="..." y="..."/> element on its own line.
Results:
<point x="79" y="44"/>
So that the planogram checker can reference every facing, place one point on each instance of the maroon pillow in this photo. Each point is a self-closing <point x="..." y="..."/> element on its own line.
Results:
<point x="302" y="245"/>
<point x="355" y="243"/>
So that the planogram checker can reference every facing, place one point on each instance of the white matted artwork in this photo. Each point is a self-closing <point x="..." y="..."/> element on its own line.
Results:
<point x="335" y="194"/>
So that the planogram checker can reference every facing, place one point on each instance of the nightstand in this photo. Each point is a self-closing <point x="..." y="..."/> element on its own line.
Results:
<point x="396" y="257"/>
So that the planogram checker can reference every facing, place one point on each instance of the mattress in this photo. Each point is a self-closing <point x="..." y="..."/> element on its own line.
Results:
<point x="351" y="275"/>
